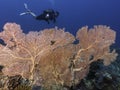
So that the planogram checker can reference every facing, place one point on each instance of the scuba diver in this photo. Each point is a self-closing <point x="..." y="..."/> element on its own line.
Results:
<point x="47" y="15"/>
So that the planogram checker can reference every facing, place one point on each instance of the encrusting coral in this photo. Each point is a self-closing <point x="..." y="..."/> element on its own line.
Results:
<point x="50" y="57"/>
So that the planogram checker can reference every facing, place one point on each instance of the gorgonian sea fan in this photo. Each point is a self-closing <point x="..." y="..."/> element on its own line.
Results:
<point x="50" y="54"/>
<point x="21" y="49"/>
<point x="94" y="45"/>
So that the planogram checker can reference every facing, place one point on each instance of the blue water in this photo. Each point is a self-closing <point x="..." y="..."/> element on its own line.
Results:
<point x="73" y="14"/>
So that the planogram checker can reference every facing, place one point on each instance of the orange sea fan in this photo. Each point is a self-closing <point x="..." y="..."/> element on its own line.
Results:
<point x="23" y="51"/>
<point x="94" y="45"/>
<point x="50" y="57"/>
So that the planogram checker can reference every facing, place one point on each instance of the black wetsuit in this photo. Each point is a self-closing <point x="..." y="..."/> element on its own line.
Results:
<point x="48" y="15"/>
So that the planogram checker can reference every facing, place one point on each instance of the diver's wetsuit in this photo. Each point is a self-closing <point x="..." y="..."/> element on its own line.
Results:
<point x="48" y="15"/>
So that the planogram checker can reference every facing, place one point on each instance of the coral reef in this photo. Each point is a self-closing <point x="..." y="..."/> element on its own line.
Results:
<point x="50" y="57"/>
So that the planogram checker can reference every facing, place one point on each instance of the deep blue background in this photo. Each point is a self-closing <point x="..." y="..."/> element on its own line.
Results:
<point x="73" y="14"/>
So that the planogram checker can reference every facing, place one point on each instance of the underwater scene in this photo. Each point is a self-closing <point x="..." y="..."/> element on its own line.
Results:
<point x="59" y="44"/>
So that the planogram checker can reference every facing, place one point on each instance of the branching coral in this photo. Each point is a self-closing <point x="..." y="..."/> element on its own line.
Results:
<point x="94" y="45"/>
<point x="50" y="57"/>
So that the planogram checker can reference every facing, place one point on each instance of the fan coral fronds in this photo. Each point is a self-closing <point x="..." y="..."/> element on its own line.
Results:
<point x="49" y="57"/>
<point x="94" y="45"/>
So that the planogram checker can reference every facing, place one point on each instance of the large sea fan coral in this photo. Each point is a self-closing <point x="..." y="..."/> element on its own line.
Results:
<point x="50" y="57"/>
<point x="94" y="45"/>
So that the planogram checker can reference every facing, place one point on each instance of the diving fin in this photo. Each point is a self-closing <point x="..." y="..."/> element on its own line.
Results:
<point x="25" y="5"/>
<point x="28" y="11"/>
<point x="23" y="13"/>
